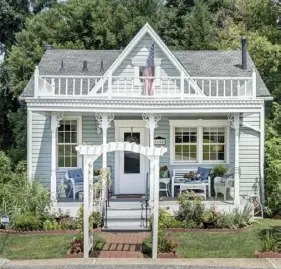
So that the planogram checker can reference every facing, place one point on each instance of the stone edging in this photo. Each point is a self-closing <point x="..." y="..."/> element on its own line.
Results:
<point x="97" y="230"/>
<point x="215" y="230"/>
<point x="168" y="255"/>
<point x="269" y="254"/>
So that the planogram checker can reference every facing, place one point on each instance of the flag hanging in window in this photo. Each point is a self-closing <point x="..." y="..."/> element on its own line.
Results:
<point x="149" y="72"/>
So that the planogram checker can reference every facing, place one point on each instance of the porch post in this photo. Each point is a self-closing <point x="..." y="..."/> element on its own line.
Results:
<point x="151" y="123"/>
<point x="104" y="120"/>
<point x="55" y="119"/>
<point x="235" y="124"/>
<point x="29" y="143"/>
<point x="86" y="207"/>
<point x="155" y="208"/>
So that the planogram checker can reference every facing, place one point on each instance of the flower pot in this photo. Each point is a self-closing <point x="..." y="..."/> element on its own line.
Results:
<point x="209" y="225"/>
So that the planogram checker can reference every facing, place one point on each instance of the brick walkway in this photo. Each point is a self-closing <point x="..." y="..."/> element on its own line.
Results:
<point x="122" y="245"/>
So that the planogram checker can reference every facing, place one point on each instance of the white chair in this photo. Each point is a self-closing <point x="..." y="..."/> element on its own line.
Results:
<point x="166" y="182"/>
<point x="224" y="184"/>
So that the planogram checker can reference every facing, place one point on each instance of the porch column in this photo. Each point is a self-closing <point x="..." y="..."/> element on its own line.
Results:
<point x="104" y="120"/>
<point x="155" y="162"/>
<point x="235" y="124"/>
<point x="55" y="119"/>
<point x="29" y="144"/>
<point x="151" y="123"/>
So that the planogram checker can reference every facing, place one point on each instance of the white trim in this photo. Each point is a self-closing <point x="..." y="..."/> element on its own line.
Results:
<point x="29" y="143"/>
<point x="79" y="142"/>
<point x="250" y="127"/>
<point x="199" y="124"/>
<point x="129" y="123"/>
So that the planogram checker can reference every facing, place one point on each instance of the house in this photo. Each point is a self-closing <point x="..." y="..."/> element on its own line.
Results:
<point x="205" y="107"/>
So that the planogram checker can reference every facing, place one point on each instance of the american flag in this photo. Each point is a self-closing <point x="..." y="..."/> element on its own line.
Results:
<point x="149" y="72"/>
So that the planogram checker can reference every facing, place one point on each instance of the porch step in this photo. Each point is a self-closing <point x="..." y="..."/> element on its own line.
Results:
<point x="125" y="216"/>
<point x="128" y="229"/>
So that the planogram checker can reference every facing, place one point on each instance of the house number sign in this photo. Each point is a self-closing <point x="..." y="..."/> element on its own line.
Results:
<point x="159" y="140"/>
<point x="4" y="220"/>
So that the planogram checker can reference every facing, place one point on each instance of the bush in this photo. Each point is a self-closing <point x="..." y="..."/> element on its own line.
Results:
<point x="68" y="224"/>
<point x="191" y="208"/>
<point x="51" y="225"/>
<point x="96" y="219"/>
<point x="225" y="220"/>
<point x="271" y="241"/>
<point x="19" y="195"/>
<point x="27" y="222"/>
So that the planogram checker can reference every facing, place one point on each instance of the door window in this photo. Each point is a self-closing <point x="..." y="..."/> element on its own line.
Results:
<point x="131" y="159"/>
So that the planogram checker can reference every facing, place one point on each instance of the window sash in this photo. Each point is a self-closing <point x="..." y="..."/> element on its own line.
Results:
<point x="66" y="152"/>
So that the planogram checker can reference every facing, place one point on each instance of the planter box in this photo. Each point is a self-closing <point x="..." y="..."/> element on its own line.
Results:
<point x="269" y="254"/>
<point x="168" y="255"/>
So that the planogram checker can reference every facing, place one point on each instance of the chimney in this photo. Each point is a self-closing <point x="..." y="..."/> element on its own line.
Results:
<point x="101" y="66"/>
<point x="244" y="52"/>
<point x="61" y="66"/>
<point x="85" y="68"/>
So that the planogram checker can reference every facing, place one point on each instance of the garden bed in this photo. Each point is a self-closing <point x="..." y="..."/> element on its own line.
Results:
<point x="168" y="255"/>
<point x="53" y="232"/>
<point x="268" y="254"/>
<point x="211" y="230"/>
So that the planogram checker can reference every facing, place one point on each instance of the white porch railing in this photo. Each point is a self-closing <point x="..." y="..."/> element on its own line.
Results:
<point x="131" y="87"/>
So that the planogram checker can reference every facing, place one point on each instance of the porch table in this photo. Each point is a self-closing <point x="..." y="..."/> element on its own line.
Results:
<point x="202" y="187"/>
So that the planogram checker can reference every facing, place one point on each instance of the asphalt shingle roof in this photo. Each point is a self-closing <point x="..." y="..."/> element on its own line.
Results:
<point x="197" y="63"/>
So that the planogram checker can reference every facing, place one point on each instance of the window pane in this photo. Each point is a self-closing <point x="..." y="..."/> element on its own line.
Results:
<point x="193" y="156"/>
<point x="185" y="148"/>
<point x="186" y="139"/>
<point x="73" y="151"/>
<point x="205" y="156"/>
<point x="61" y="150"/>
<point x="221" y="139"/>
<point x="67" y="125"/>
<point x="61" y="127"/>
<point x="178" y="155"/>
<point x="67" y="150"/>
<point x="73" y="137"/>
<point x="73" y="126"/>
<point x="186" y="156"/>
<point x="221" y="156"/>
<point x="67" y="137"/>
<point x="61" y="162"/>
<point x="61" y="137"/>
<point x="74" y="162"/>
<point x="67" y="162"/>
<point x="178" y="139"/>
<point x="193" y="148"/>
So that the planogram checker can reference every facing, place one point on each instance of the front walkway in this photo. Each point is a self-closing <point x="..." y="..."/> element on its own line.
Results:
<point x="122" y="245"/>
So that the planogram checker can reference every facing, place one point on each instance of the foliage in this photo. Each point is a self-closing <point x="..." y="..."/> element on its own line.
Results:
<point x="76" y="245"/>
<point x="51" y="225"/>
<point x="273" y="163"/>
<point x="19" y="195"/>
<point x="68" y="224"/>
<point x="191" y="208"/>
<point x="271" y="241"/>
<point x="80" y="223"/>
<point x="27" y="222"/>
<point x="97" y="219"/>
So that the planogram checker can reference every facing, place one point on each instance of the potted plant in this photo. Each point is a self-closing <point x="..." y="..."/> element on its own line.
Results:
<point x="96" y="176"/>
<point x="164" y="172"/>
<point x="189" y="176"/>
<point x="209" y="218"/>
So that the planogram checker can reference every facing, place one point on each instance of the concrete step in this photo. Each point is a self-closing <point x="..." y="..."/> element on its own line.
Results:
<point x="127" y="213"/>
<point x="125" y="229"/>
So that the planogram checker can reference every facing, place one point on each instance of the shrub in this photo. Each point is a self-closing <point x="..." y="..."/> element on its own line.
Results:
<point x="51" y="225"/>
<point x="191" y="208"/>
<point x="27" y="222"/>
<point x="96" y="219"/>
<point x="271" y="241"/>
<point x="68" y="224"/>
<point x="225" y="220"/>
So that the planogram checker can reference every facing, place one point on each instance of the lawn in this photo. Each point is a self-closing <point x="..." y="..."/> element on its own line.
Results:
<point x="242" y="244"/>
<point x="34" y="246"/>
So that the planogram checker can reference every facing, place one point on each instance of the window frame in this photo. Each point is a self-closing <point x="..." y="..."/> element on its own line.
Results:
<point x="79" y="141"/>
<point x="199" y="124"/>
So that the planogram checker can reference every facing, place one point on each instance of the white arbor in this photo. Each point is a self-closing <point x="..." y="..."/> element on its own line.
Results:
<point x="90" y="154"/>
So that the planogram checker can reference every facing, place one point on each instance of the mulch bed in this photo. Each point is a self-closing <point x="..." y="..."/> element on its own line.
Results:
<point x="211" y="230"/>
<point x="269" y="254"/>
<point x="97" y="230"/>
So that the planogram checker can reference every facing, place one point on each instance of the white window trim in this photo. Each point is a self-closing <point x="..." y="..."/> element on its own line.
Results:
<point x="79" y="140"/>
<point x="137" y="63"/>
<point x="199" y="124"/>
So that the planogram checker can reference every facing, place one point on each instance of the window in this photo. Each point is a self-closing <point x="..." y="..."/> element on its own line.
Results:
<point x="213" y="144"/>
<point x="67" y="141"/>
<point x="199" y="141"/>
<point x="185" y="147"/>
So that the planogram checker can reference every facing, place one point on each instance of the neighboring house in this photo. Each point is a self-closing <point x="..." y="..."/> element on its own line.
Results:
<point x="207" y="106"/>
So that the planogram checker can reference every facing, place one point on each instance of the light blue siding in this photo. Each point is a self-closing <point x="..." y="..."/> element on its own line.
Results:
<point x="249" y="158"/>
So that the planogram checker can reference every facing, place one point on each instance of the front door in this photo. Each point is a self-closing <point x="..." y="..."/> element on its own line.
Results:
<point x="132" y="166"/>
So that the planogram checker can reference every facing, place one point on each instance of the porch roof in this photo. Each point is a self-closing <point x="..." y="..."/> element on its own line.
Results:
<point x="197" y="63"/>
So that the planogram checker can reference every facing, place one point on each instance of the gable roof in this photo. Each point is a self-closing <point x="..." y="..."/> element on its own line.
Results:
<point x="196" y="63"/>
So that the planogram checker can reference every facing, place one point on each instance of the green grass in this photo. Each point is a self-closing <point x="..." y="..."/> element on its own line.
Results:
<point x="241" y="244"/>
<point x="35" y="246"/>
